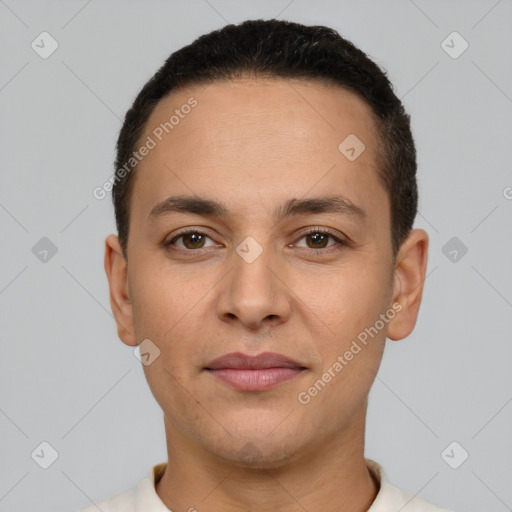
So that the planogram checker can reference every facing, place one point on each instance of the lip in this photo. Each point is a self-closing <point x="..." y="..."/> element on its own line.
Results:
<point x="263" y="361"/>
<point x="254" y="373"/>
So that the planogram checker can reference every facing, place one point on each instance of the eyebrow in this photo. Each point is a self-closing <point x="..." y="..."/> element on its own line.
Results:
<point x="210" y="208"/>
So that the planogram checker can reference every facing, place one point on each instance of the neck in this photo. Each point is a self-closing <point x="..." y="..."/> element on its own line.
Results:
<point x="331" y="477"/>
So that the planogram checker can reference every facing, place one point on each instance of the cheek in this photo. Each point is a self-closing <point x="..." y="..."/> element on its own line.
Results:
<point x="350" y="359"/>
<point x="350" y="307"/>
<point x="349" y="299"/>
<point x="163" y="297"/>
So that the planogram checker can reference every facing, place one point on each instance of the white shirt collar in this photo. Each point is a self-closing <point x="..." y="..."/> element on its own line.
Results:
<point x="143" y="498"/>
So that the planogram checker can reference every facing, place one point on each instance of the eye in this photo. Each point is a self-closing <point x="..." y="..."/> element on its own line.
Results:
<point x="318" y="239"/>
<point x="189" y="240"/>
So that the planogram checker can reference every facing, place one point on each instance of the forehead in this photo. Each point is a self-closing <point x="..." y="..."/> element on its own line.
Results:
<point x="263" y="139"/>
<point x="300" y="109"/>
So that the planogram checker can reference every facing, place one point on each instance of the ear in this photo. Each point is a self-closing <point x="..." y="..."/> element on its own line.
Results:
<point x="116" y="268"/>
<point x="410" y="270"/>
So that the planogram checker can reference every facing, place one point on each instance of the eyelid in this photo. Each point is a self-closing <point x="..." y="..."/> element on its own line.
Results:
<point x="321" y="229"/>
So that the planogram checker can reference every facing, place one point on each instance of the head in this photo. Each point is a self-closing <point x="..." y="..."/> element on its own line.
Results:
<point x="271" y="211"/>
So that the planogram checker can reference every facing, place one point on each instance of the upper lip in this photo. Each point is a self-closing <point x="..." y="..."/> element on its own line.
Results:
<point x="265" y="360"/>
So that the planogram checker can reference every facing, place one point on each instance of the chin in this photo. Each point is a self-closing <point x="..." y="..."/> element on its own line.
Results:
<point x="257" y="450"/>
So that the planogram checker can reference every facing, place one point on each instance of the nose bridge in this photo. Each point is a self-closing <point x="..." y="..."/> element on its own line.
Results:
<point x="254" y="290"/>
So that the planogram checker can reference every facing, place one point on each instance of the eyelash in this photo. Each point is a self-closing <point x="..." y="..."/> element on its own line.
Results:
<point x="340" y="243"/>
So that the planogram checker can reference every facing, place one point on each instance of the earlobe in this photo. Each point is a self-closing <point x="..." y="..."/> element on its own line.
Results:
<point x="116" y="269"/>
<point x="410" y="271"/>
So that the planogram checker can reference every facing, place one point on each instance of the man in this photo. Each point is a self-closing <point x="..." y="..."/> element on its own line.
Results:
<point x="265" y="192"/>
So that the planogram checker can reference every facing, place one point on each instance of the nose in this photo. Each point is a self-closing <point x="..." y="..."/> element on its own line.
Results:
<point x="255" y="293"/>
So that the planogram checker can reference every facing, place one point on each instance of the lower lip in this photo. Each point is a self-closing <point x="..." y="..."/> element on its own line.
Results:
<point x="255" y="380"/>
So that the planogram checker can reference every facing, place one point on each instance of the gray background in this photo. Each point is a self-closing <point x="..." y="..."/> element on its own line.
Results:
<point x="68" y="380"/>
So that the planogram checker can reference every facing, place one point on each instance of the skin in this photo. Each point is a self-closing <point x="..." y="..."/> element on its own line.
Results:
<point x="252" y="144"/>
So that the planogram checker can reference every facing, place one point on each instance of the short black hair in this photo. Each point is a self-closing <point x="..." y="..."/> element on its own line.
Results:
<point x="282" y="49"/>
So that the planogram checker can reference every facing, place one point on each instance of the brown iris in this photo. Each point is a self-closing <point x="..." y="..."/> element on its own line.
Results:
<point x="196" y="240"/>
<point x="317" y="239"/>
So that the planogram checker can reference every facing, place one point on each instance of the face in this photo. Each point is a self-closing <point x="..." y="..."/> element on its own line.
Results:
<point x="268" y="287"/>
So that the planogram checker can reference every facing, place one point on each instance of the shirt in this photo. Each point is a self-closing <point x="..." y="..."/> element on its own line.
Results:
<point x="143" y="497"/>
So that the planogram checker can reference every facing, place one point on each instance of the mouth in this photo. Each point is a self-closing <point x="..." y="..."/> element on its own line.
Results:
<point x="254" y="373"/>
